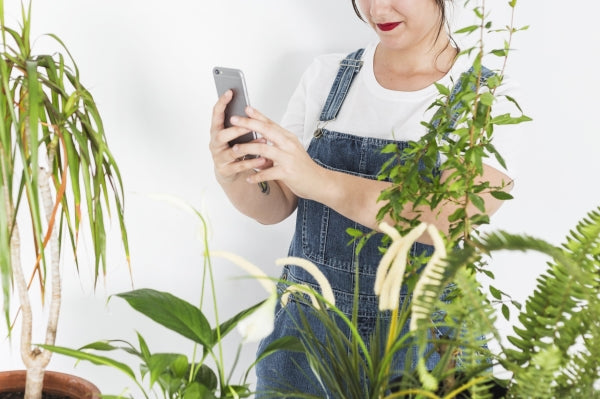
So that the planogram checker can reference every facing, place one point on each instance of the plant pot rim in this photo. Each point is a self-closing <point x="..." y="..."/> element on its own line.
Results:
<point x="55" y="382"/>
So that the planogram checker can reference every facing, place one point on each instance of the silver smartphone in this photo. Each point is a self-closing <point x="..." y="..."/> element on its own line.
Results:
<point x="233" y="79"/>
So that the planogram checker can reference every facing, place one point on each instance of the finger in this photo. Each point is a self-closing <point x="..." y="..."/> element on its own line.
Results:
<point x="234" y="167"/>
<point x="231" y="133"/>
<point x="264" y="175"/>
<point x="267" y="128"/>
<point x="267" y="164"/>
<point x="264" y="150"/>
<point x="218" y="115"/>
<point x="255" y="114"/>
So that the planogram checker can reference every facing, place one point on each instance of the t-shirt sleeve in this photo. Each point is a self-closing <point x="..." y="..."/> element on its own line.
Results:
<point x="294" y="117"/>
<point x="304" y="106"/>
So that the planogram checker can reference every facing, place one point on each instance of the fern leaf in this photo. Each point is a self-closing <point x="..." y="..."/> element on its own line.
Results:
<point x="557" y="344"/>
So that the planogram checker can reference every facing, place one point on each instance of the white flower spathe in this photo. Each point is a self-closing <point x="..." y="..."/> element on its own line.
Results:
<point x="302" y="288"/>
<point x="259" y="324"/>
<point x="391" y="268"/>
<point x="317" y="274"/>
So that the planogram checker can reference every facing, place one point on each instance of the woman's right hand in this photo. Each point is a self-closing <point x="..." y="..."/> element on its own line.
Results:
<point x="228" y="165"/>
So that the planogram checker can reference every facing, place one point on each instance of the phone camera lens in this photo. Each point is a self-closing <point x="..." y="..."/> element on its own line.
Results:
<point x="217" y="71"/>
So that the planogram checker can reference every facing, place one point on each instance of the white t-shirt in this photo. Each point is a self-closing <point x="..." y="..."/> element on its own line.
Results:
<point x="371" y="110"/>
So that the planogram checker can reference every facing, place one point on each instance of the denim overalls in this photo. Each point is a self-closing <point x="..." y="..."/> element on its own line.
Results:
<point x="320" y="236"/>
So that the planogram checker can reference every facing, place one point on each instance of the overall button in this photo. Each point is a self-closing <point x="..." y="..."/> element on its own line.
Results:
<point x="318" y="133"/>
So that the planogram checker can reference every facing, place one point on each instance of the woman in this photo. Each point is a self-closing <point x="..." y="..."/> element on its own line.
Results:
<point x="323" y="159"/>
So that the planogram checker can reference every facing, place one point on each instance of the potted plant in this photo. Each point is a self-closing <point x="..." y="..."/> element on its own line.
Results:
<point x="57" y="176"/>
<point x="202" y="372"/>
<point x="553" y="353"/>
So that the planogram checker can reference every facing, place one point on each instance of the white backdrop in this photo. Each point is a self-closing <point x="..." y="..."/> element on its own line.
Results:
<point x="148" y="64"/>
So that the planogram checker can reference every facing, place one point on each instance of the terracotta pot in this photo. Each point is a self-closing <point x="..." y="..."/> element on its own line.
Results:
<point x="54" y="383"/>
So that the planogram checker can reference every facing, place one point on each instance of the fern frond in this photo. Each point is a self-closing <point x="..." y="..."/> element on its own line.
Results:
<point x="581" y="375"/>
<point x="537" y="379"/>
<point x="561" y="316"/>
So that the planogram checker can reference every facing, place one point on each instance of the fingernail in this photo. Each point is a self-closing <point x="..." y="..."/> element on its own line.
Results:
<point x="236" y="148"/>
<point x="235" y="119"/>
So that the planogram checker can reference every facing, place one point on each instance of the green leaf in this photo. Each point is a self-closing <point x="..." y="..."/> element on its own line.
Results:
<point x="236" y="391"/>
<point x="230" y="324"/>
<point x="457" y="215"/>
<point x="389" y="148"/>
<point x="160" y="362"/>
<point x="494" y="81"/>
<point x="198" y="391"/>
<point x="287" y="343"/>
<point x="144" y="350"/>
<point x="180" y="366"/>
<point x="499" y="52"/>
<point x="487" y="98"/>
<point x="355" y="233"/>
<point x="501" y="195"/>
<point x="100" y="346"/>
<point x="496" y="293"/>
<point x="477" y="201"/>
<point x="5" y="261"/>
<point x="99" y="360"/>
<point x="505" y="312"/>
<point x="467" y="29"/>
<point x="207" y="377"/>
<point x="480" y="219"/>
<point x="172" y="313"/>
<point x="442" y="89"/>
<point x="507" y="119"/>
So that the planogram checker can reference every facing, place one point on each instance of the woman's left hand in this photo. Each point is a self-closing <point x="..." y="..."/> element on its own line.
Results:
<point x="291" y="163"/>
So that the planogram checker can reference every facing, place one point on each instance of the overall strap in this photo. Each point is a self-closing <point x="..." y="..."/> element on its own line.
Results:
<point x="485" y="75"/>
<point x="349" y="68"/>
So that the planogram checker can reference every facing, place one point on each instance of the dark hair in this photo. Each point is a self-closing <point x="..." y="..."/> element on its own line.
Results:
<point x="439" y="3"/>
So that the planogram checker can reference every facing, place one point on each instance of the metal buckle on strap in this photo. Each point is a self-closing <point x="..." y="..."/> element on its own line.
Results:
<point x="351" y="63"/>
<point x="319" y="130"/>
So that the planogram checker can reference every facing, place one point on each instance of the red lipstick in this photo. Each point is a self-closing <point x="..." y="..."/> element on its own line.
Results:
<point x="388" y="26"/>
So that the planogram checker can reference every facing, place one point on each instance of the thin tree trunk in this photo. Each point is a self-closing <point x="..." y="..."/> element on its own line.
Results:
<point x="34" y="379"/>
<point x="34" y="359"/>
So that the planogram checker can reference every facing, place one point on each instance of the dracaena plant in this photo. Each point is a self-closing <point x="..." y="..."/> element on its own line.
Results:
<point x="57" y="177"/>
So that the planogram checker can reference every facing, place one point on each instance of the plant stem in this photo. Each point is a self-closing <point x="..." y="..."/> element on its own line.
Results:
<point x="208" y="265"/>
<point x="388" y="346"/>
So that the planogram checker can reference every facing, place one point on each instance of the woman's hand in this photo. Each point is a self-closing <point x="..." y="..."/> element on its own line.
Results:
<point x="230" y="165"/>
<point x="291" y="164"/>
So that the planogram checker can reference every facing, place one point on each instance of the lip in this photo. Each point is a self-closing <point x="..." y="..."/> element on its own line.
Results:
<point x="387" y="26"/>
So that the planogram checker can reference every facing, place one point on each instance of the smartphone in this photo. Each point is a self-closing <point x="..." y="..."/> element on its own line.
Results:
<point x="233" y="79"/>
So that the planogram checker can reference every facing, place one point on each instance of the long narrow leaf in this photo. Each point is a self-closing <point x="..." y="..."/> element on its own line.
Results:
<point x="96" y="359"/>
